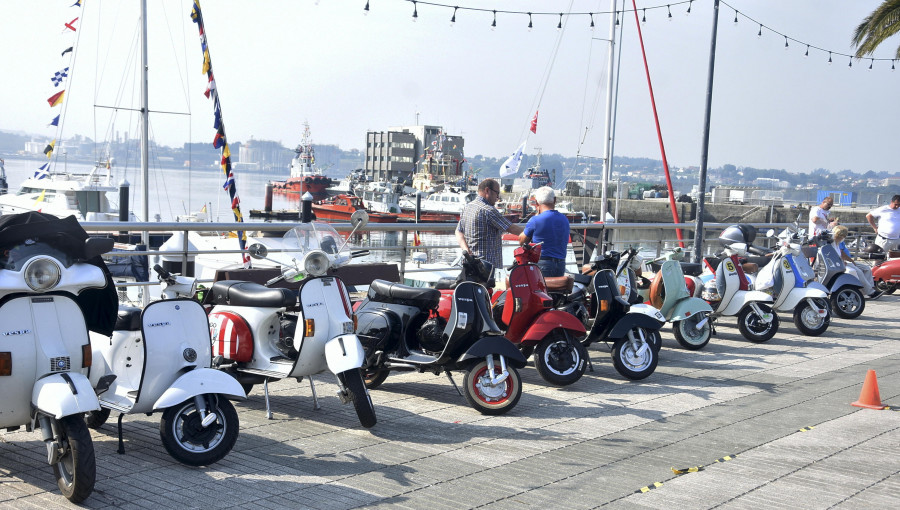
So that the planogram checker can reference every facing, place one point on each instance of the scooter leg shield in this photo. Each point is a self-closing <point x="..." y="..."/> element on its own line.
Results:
<point x="494" y="345"/>
<point x="64" y="394"/>
<point x="200" y="381"/>
<point x="344" y="353"/>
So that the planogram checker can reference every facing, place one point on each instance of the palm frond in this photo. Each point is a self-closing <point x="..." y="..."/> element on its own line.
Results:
<point x="876" y="28"/>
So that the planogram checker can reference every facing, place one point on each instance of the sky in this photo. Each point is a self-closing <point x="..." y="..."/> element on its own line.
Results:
<point x="280" y="63"/>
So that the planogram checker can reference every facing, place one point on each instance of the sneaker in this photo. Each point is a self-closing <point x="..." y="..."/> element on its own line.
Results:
<point x="875" y="295"/>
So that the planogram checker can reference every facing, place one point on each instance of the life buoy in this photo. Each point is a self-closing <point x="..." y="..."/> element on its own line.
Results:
<point x="307" y="180"/>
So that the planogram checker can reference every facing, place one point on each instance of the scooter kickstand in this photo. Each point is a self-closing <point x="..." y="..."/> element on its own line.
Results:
<point x="312" y="386"/>
<point x="266" y="391"/>
<point x="121" y="450"/>
<point x="449" y="376"/>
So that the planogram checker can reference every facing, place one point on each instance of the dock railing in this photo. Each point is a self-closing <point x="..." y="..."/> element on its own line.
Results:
<point x="653" y="237"/>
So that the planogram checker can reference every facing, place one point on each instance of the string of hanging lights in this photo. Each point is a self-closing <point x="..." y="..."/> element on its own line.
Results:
<point x="668" y="7"/>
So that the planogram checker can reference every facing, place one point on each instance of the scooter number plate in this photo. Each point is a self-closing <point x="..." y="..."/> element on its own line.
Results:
<point x="347" y="328"/>
<point x="462" y="320"/>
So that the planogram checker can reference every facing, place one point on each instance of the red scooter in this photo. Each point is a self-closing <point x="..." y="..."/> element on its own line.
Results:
<point x="526" y="312"/>
<point x="886" y="273"/>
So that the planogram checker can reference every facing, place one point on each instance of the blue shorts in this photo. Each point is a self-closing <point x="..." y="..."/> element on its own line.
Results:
<point x="552" y="266"/>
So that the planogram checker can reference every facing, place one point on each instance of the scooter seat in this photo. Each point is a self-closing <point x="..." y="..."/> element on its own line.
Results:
<point x="241" y="293"/>
<point x="559" y="283"/>
<point x="691" y="268"/>
<point x="584" y="279"/>
<point x="383" y="291"/>
<point x="128" y="319"/>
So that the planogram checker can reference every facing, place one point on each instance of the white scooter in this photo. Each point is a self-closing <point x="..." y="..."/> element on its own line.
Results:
<point x="158" y="359"/>
<point x="785" y="279"/>
<point x="729" y="291"/>
<point x="261" y="333"/>
<point x="45" y="355"/>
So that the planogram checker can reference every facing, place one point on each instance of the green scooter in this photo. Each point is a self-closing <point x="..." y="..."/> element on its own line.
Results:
<point x="689" y="315"/>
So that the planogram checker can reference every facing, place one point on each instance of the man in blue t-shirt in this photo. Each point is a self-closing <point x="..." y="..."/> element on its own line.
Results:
<point x="550" y="227"/>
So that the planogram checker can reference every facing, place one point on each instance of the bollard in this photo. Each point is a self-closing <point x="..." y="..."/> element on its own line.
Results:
<point x="306" y="214"/>
<point x="267" y="205"/>
<point x="124" y="187"/>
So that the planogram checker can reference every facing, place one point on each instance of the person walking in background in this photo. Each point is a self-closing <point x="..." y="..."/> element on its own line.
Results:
<point x="888" y="228"/>
<point x="864" y="272"/>
<point x="550" y="227"/>
<point x="818" y="218"/>
<point x="481" y="225"/>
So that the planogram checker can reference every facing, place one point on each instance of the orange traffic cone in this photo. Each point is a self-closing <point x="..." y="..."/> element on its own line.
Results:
<point x="869" y="397"/>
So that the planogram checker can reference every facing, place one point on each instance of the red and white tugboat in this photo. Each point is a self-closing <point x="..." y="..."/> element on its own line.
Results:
<point x="305" y="175"/>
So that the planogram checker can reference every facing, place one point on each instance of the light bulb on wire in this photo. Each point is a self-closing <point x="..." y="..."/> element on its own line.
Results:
<point x="415" y="12"/>
<point x="530" y="25"/>
<point x="559" y="25"/>
<point x="494" y="24"/>
<point x="453" y="19"/>
<point x="688" y="11"/>
<point x="644" y="19"/>
<point x="670" y="11"/>
<point x="592" y="21"/>
<point x="366" y="8"/>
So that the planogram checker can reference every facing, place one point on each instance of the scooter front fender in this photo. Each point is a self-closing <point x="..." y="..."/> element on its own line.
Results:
<point x="344" y="353"/>
<point x="550" y="320"/>
<point x="688" y="307"/>
<point x="634" y="320"/>
<point x="64" y="394"/>
<point x="199" y="381"/>
<point x="739" y="301"/>
<point x="494" y="345"/>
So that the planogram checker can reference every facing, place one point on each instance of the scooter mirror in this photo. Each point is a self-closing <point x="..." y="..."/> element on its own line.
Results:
<point x="359" y="219"/>
<point x="770" y="232"/>
<point x="257" y="251"/>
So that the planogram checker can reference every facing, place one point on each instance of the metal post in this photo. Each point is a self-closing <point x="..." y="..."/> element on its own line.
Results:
<point x="704" y="152"/>
<point x="607" y="133"/>
<point x="403" y="238"/>
<point x="145" y="136"/>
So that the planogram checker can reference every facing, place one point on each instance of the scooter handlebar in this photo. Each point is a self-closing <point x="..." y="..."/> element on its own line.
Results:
<point x="163" y="274"/>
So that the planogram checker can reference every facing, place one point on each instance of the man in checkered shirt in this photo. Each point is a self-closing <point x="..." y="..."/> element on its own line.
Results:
<point x="481" y="225"/>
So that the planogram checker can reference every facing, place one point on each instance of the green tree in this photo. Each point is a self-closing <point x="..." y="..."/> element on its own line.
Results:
<point x="877" y="27"/>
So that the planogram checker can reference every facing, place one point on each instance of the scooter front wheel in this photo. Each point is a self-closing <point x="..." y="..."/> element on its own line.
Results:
<point x="752" y="326"/>
<point x="807" y="319"/>
<point x="96" y="419"/>
<point x="189" y="442"/>
<point x="635" y="360"/>
<point x="76" y="469"/>
<point x="362" y="401"/>
<point x="489" y="398"/>
<point x="689" y="335"/>
<point x="560" y="360"/>
<point x="848" y="302"/>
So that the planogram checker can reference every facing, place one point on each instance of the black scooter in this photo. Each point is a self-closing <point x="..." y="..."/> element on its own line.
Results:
<point x="400" y="330"/>
<point x="633" y="333"/>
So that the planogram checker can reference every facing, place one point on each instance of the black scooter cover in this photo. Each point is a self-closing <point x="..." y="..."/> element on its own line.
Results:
<point x="99" y="306"/>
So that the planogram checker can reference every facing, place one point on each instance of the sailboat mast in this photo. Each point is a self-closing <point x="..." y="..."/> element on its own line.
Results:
<point x="145" y="135"/>
<point x="607" y="140"/>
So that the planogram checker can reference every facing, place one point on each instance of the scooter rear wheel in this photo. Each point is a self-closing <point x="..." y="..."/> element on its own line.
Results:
<point x="359" y="395"/>
<point x="492" y="399"/>
<point x="848" y="302"/>
<point x="189" y="442"/>
<point x="374" y="377"/>
<point x="886" y="287"/>
<point x="689" y="335"/>
<point x="76" y="469"/>
<point x="807" y="319"/>
<point x="560" y="360"/>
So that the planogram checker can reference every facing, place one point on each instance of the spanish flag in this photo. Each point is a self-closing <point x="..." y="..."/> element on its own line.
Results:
<point x="57" y="98"/>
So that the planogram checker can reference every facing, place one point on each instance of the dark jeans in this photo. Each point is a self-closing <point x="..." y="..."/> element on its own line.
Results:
<point x="552" y="267"/>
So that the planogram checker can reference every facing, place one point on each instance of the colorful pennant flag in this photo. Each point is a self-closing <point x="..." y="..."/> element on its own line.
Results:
<point x="220" y="140"/>
<point x="66" y="51"/>
<point x="71" y="25"/>
<point x="59" y="76"/>
<point x="534" y="122"/>
<point x="55" y="121"/>
<point x="416" y="240"/>
<point x="57" y="98"/>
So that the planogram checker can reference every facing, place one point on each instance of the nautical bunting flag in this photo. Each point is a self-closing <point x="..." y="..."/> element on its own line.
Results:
<point x="534" y="122"/>
<point x="57" y="98"/>
<point x="220" y="140"/>
<point x="55" y="121"/>
<point x="48" y="150"/>
<point x="70" y="48"/>
<point x="511" y="166"/>
<point x="71" y="25"/>
<point x="59" y="76"/>
<point x="42" y="171"/>
<point x="76" y="4"/>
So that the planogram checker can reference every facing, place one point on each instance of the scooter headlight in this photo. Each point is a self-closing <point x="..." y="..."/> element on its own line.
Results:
<point x="42" y="274"/>
<point x="316" y="263"/>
